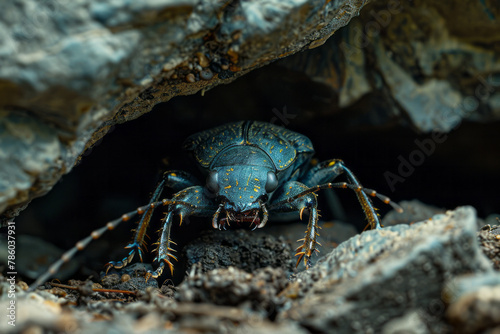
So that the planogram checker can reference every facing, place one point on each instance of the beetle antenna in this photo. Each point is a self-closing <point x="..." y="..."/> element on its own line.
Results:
<point x="342" y="185"/>
<point x="96" y="234"/>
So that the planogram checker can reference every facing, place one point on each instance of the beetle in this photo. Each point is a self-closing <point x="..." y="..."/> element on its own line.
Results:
<point x="252" y="169"/>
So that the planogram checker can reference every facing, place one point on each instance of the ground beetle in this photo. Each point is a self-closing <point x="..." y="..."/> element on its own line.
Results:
<point x="252" y="169"/>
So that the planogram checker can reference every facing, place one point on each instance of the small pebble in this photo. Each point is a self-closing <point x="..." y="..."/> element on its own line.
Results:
<point x="125" y="278"/>
<point x="234" y="68"/>
<point x="190" y="77"/>
<point x="203" y="60"/>
<point x="23" y="285"/>
<point x="58" y="292"/>
<point x="96" y="286"/>
<point x="206" y="74"/>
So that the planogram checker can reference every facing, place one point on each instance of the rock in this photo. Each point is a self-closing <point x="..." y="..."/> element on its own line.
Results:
<point x="413" y="211"/>
<point x="71" y="70"/>
<point x="34" y="256"/>
<point x="410" y="323"/>
<point x="489" y="241"/>
<point x="399" y="279"/>
<point x="380" y="274"/>
<point x="475" y="303"/>
<point x="421" y="61"/>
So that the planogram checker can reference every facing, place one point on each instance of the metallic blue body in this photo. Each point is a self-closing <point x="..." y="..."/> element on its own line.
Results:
<point x="252" y="169"/>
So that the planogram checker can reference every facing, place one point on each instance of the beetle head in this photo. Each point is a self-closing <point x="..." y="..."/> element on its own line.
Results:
<point x="242" y="191"/>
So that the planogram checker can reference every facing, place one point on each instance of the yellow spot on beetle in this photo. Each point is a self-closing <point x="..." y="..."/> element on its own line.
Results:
<point x="228" y="187"/>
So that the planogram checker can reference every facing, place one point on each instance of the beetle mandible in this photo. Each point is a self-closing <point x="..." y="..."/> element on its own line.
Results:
<point x="252" y="169"/>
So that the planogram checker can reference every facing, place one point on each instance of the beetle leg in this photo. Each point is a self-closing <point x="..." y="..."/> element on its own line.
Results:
<point x="281" y="202"/>
<point x="308" y="247"/>
<point x="265" y="215"/>
<point x="319" y="177"/>
<point x="173" y="179"/>
<point x="164" y="249"/>
<point x="199" y="205"/>
<point x="215" y="218"/>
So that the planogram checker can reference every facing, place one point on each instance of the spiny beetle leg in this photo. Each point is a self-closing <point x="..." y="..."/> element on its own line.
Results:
<point x="173" y="179"/>
<point x="164" y="249"/>
<point x="201" y="205"/>
<point x="281" y="203"/>
<point x="310" y="243"/>
<point x="140" y="231"/>
<point x="326" y="171"/>
<point x="126" y="260"/>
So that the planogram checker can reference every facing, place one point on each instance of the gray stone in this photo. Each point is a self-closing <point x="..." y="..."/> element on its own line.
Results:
<point x="432" y="64"/>
<point x="34" y="256"/>
<point x="489" y="241"/>
<point x="399" y="279"/>
<point x="410" y="323"/>
<point x="377" y="275"/>
<point x="413" y="211"/>
<point x="474" y="302"/>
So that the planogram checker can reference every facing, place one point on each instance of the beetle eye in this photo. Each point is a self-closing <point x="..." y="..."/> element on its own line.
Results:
<point x="213" y="181"/>
<point x="272" y="182"/>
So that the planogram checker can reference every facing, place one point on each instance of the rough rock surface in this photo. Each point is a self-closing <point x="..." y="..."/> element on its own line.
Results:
<point x="474" y="303"/>
<point x="69" y="70"/>
<point x="413" y="211"/>
<point x="489" y="240"/>
<point x="392" y="270"/>
<point x="430" y="64"/>
<point x="429" y="277"/>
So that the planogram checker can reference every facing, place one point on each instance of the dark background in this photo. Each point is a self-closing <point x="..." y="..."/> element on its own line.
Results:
<point x="119" y="173"/>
